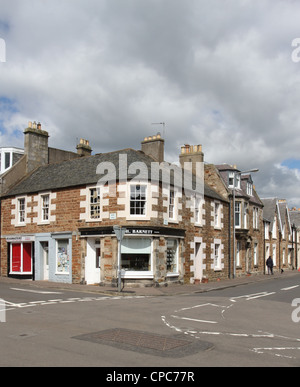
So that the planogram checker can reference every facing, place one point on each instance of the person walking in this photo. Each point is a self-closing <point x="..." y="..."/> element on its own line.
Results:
<point x="270" y="265"/>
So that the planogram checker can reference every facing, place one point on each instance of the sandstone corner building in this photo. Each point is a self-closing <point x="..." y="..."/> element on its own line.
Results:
<point x="57" y="221"/>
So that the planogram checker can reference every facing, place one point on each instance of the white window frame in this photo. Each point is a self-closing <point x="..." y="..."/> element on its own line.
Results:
<point x="217" y="215"/>
<point x="237" y="205"/>
<point x="86" y="203"/>
<point x="175" y="272"/>
<point x="21" y="221"/>
<point x="246" y="206"/>
<point x="132" y="274"/>
<point x="199" y="211"/>
<point x="231" y="178"/>
<point x="249" y="188"/>
<point x="45" y="209"/>
<point x="94" y="204"/>
<point x="267" y="231"/>
<point x="135" y="184"/>
<point x="172" y="204"/>
<point x="21" y="258"/>
<point x="255" y="218"/>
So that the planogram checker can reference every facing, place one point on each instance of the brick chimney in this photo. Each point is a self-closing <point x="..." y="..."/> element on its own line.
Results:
<point x="192" y="154"/>
<point x="83" y="148"/>
<point x="154" y="146"/>
<point x="35" y="146"/>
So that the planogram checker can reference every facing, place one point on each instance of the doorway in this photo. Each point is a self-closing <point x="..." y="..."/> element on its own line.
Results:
<point x="45" y="260"/>
<point x="198" y="261"/>
<point x="93" y="261"/>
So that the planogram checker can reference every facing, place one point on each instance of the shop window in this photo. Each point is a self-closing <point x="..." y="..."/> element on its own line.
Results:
<point x="172" y="255"/>
<point x="63" y="257"/>
<point x="136" y="254"/>
<point x="21" y="258"/>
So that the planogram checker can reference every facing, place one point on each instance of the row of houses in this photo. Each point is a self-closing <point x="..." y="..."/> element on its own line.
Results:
<point x="190" y="222"/>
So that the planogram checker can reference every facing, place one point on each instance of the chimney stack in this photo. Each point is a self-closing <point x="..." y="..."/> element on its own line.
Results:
<point x="154" y="146"/>
<point x="35" y="146"/>
<point x="192" y="154"/>
<point x="83" y="148"/>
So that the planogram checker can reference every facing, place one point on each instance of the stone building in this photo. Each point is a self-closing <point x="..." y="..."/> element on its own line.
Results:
<point x="278" y="234"/>
<point x="58" y="218"/>
<point x="245" y="231"/>
<point x="295" y="222"/>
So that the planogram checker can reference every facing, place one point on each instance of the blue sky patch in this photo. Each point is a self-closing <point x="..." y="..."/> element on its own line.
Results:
<point x="291" y="163"/>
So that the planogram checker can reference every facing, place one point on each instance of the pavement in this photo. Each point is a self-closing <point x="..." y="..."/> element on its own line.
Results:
<point x="151" y="291"/>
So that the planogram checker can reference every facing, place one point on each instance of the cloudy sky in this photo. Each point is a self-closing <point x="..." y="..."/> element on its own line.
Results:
<point x="221" y="73"/>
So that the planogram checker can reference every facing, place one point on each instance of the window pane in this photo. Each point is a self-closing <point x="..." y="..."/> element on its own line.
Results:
<point x="138" y="200"/>
<point x="172" y="248"/>
<point x="63" y="259"/>
<point x="95" y="203"/>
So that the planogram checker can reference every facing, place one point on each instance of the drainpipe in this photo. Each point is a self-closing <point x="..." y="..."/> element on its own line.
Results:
<point x="229" y="241"/>
<point x="0" y="238"/>
<point x="279" y="265"/>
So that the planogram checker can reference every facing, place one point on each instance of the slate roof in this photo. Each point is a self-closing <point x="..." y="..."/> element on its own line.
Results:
<point x="83" y="171"/>
<point x="270" y="208"/>
<point x="295" y="218"/>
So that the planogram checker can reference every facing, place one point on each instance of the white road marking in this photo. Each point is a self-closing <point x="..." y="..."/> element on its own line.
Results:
<point x="252" y="296"/>
<point x="290" y="288"/>
<point x="13" y="306"/>
<point x="193" y="319"/>
<point x="35" y="291"/>
<point x="261" y="295"/>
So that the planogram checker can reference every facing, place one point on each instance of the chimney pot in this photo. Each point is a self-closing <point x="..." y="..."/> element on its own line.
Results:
<point x="154" y="146"/>
<point x="83" y="148"/>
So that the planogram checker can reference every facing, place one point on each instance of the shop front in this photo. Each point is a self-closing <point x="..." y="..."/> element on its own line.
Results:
<point x="148" y="255"/>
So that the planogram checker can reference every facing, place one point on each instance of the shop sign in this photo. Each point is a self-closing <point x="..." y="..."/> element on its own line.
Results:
<point x="20" y="238"/>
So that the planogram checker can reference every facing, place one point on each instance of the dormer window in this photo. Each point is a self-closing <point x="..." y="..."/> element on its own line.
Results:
<point x="231" y="179"/>
<point x="249" y="188"/>
<point x="234" y="176"/>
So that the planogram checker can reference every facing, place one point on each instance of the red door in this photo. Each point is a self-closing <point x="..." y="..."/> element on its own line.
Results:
<point x="27" y="257"/>
<point x="16" y="258"/>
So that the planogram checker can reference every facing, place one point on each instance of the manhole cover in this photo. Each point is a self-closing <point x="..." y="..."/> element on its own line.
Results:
<point x="171" y="346"/>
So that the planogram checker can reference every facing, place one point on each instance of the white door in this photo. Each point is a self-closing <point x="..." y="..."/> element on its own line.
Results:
<point x="92" y="262"/>
<point x="45" y="254"/>
<point x="198" y="262"/>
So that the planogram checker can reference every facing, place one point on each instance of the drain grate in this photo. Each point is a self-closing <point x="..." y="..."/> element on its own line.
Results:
<point x="142" y="339"/>
<point x="146" y="342"/>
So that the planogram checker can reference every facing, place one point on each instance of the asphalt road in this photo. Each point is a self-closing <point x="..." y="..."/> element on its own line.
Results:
<point x="250" y="325"/>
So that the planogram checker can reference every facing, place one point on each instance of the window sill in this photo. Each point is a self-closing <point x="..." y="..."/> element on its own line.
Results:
<point x="126" y="274"/>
